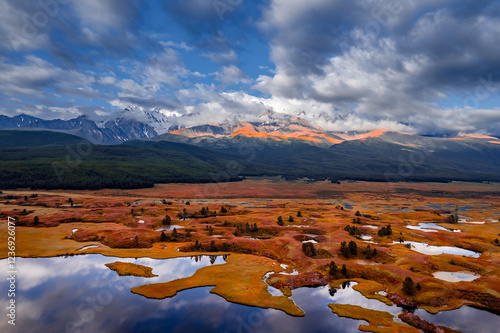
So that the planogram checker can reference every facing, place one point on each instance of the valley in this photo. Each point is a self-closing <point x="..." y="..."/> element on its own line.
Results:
<point x="268" y="243"/>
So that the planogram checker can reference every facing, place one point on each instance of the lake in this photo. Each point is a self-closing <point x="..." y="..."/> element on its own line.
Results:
<point x="66" y="294"/>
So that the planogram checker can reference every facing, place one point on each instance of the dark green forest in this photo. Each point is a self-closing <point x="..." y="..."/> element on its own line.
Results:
<point x="62" y="161"/>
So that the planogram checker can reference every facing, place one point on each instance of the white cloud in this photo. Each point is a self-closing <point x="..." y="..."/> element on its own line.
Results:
<point x="230" y="75"/>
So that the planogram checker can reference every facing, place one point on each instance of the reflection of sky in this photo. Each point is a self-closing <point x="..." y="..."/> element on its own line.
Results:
<point x="55" y="291"/>
<point x="435" y="250"/>
<point x="465" y="319"/>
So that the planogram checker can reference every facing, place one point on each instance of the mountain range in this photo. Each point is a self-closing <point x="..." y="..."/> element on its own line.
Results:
<point x="273" y="127"/>
<point x="125" y="151"/>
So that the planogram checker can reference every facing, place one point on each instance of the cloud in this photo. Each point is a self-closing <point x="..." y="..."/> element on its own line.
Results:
<point x="230" y="75"/>
<point x="222" y="58"/>
<point x="383" y="62"/>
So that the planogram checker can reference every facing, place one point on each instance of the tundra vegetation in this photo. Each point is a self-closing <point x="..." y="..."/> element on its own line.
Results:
<point x="322" y="240"/>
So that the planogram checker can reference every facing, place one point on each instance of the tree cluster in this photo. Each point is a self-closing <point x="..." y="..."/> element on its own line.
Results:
<point x="385" y="231"/>
<point x="246" y="229"/>
<point x="309" y="250"/>
<point x="353" y="230"/>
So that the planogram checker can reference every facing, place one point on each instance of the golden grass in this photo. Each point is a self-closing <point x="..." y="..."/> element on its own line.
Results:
<point x="239" y="281"/>
<point x="129" y="269"/>
<point x="367" y="288"/>
<point x="109" y="212"/>
<point x="379" y="321"/>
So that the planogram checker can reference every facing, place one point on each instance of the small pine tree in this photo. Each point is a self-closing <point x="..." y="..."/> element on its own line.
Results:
<point x="163" y="237"/>
<point x="299" y="214"/>
<point x="368" y="252"/>
<point x="212" y="247"/>
<point x="280" y="221"/>
<point x="408" y="286"/>
<point x="166" y="220"/>
<point x="174" y="233"/>
<point x="136" y="240"/>
<point x="496" y="241"/>
<point x="333" y="269"/>
<point x="353" y="248"/>
<point x="223" y="209"/>
<point x="290" y="219"/>
<point x="36" y="220"/>
<point x="357" y="213"/>
<point x="25" y="198"/>
<point x="344" y="250"/>
<point x="344" y="270"/>
<point x="375" y="252"/>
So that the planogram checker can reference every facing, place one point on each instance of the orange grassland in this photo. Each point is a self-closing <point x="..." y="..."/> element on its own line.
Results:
<point x="105" y="218"/>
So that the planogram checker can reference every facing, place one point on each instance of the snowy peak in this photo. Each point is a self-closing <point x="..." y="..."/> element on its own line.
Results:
<point x="157" y="119"/>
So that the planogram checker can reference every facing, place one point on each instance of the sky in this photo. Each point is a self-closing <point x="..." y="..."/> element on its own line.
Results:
<point x="422" y="66"/>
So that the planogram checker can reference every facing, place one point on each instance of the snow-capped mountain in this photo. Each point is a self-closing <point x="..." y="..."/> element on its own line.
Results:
<point x="108" y="132"/>
<point x="160" y="120"/>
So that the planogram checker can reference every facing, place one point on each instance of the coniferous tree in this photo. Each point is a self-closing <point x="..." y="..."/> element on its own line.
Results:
<point x="344" y="270"/>
<point x="333" y="269"/>
<point x="344" y="250"/>
<point x="353" y="248"/>
<point x="163" y="237"/>
<point x="299" y="214"/>
<point x="408" y="286"/>
<point x="308" y="249"/>
<point x="166" y="220"/>
<point x="212" y="247"/>
<point x="280" y="221"/>
<point x="290" y="219"/>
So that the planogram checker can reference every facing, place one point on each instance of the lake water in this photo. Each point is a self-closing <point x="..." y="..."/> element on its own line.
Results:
<point x="170" y="228"/>
<point x="435" y="250"/>
<point x="456" y="276"/>
<point x="66" y="294"/>
<point x="430" y="227"/>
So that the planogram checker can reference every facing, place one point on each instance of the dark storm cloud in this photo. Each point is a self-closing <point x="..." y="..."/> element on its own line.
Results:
<point x="384" y="59"/>
<point x="74" y="32"/>
<point x="213" y="25"/>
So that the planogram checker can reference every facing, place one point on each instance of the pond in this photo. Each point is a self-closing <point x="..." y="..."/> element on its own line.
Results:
<point x="456" y="276"/>
<point x="430" y="227"/>
<point x="170" y="228"/>
<point x="80" y="293"/>
<point x="435" y="250"/>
